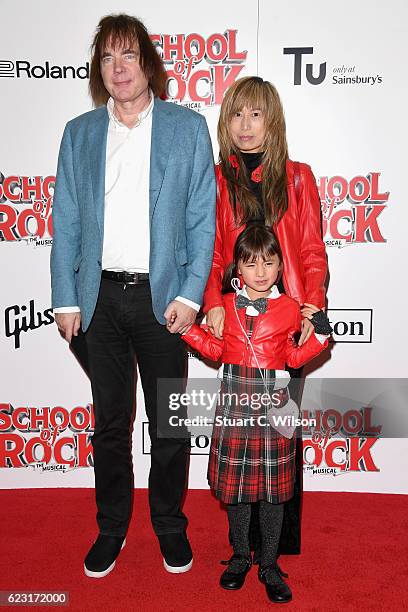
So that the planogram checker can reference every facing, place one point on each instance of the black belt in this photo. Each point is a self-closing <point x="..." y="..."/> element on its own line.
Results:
<point x="130" y="278"/>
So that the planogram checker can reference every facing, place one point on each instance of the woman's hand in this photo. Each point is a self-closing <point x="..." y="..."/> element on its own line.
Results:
<point x="307" y="311"/>
<point x="215" y="321"/>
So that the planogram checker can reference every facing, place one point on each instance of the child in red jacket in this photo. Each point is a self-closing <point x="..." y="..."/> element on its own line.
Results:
<point x="249" y="460"/>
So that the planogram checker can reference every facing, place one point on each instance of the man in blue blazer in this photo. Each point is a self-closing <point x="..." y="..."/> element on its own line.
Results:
<point x="134" y="224"/>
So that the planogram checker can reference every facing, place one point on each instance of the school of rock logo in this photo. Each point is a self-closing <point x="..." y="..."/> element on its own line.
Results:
<point x="351" y="209"/>
<point x="325" y="454"/>
<point x="25" y="209"/>
<point x="46" y="439"/>
<point x="199" y="69"/>
<point x="315" y="74"/>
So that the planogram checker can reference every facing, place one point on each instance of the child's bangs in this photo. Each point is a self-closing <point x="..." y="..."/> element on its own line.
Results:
<point x="252" y="254"/>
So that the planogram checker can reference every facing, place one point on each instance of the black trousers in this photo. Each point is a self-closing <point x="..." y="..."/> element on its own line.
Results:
<point x="124" y="326"/>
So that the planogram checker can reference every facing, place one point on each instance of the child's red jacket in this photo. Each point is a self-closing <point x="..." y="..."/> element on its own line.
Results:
<point x="271" y="339"/>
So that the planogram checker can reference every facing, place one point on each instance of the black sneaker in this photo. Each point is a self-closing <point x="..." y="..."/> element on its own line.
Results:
<point x="233" y="577"/>
<point x="176" y="551"/>
<point x="276" y="588"/>
<point x="101" y="559"/>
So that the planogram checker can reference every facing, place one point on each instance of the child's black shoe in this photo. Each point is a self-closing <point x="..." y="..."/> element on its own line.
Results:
<point x="276" y="588"/>
<point x="234" y="576"/>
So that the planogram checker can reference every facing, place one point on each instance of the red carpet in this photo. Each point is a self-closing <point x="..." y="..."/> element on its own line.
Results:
<point x="355" y="553"/>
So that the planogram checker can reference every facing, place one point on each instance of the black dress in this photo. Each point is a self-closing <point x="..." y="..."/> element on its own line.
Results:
<point x="290" y="541"/>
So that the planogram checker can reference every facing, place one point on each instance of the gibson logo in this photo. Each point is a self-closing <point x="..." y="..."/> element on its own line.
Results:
<point x="18" y="319"/>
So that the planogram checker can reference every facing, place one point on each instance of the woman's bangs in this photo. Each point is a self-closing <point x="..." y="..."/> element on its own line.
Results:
<point x="249" y="95"/>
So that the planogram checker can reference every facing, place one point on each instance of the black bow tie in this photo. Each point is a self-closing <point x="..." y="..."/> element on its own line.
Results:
<point x="259" y="304"/>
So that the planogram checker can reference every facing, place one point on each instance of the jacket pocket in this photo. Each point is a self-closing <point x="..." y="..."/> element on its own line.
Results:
<point x="181" y="256"/>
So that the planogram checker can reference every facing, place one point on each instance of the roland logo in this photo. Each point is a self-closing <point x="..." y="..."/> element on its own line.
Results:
<point x="21" y="69"/>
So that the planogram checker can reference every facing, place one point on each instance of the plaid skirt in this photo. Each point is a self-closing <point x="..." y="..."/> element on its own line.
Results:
<point x="249" y="460"/>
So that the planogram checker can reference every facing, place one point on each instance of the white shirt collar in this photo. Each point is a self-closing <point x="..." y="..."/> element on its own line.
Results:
<point x="274" y="293"/>
<point x="118" y="124"/>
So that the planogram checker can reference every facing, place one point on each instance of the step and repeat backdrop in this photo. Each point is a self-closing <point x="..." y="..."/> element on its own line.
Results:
<point x="339" y="68"/>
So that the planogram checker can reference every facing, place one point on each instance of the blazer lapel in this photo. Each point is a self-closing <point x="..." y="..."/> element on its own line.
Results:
<point x="97" y="138"/>
<point x="163" y="126"/>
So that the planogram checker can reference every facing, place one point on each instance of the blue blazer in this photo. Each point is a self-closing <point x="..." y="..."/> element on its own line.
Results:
<point x="181" y="206"/>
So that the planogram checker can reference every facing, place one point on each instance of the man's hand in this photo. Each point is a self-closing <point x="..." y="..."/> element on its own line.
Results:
<point x="215" y="321"/>
<point x="68" y="324"/>
<point x="179" y="317"/>
<point x="307" y="311"/>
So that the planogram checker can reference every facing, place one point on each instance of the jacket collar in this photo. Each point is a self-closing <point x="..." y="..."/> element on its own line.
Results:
<point x="97" y="137"/>
<point x="256" y="174"/>
<point x="163" y="130"/>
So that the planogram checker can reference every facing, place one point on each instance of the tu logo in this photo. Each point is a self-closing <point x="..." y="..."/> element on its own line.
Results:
<point x="298" y="52"/>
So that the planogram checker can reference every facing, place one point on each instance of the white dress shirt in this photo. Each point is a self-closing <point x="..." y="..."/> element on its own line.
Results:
<point x="126" y="240"/>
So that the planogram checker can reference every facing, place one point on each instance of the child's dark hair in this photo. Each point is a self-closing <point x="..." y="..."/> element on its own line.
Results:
<point x="256" y="240"/>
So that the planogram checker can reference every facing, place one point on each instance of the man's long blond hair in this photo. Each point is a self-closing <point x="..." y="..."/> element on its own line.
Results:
<point x="254" y="92"/>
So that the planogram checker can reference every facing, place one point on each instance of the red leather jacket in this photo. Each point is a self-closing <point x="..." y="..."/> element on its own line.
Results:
<point x="298" y="233"/>
<point x="271" y="339"/>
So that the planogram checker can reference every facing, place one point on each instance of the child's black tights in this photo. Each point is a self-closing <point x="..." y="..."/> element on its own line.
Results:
<point x="239" y="516"/>
<point x="270" y="521"/>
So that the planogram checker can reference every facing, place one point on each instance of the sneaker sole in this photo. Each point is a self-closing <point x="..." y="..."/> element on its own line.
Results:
<point x="104" y="573"/>
<point x="174" y="569"/>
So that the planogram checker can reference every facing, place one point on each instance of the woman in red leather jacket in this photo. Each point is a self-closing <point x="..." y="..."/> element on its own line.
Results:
<point x="256" y="181"/>
<point x="249" y="461"/>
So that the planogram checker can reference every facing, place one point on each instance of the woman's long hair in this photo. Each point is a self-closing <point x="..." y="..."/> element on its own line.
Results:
<point x="118" y="30"/>
<point x="254" y="92"/>
<point x="256" y="240"/>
